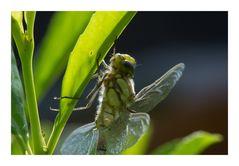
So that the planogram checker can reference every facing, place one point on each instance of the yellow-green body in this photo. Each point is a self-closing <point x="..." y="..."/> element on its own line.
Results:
<point x="117" y="90"/>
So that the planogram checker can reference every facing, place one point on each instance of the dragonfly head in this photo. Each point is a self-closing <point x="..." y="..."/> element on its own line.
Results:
<point x="123" y="63"/>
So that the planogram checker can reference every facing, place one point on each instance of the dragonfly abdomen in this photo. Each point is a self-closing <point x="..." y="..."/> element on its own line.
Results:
<point x="117" y="92"/>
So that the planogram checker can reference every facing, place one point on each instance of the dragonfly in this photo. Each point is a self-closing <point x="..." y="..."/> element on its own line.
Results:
<point x="122" y="115"/>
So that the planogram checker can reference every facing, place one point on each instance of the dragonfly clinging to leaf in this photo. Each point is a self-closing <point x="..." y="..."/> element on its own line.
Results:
<point x="121" y="117"/>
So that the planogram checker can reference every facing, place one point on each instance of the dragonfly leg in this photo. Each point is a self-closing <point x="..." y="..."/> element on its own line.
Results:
<point x="66" y="97"/>
<point x="131" y="111"/>
<point x="91" y="96"/>
<point x="83" y="108"/>
<point x="96" y="88"/>
<point x="88" y="105"/>
<point x="99" y="73"/>
<point x="54" y="109"/>
<point x="59" y="98"/>
<point x="114" y="47"/>
<point x="105" y="64"/>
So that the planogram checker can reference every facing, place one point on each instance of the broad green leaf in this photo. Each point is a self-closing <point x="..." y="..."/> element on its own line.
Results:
<point x="19" y="125"/>
<point x="102" y="30"/>
<point x="62" y="33"/>
<point x="141" y="146"/>
<point x="194" y="143"/>
<point x="167" y="148"/>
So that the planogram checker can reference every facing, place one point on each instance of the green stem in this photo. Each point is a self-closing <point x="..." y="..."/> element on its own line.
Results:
<point x="56" y="132"/>
<point x="28" y="148"/>
<point x="37" y="138"/>
<point x="55" y="135"/>
<point x="60" y="123"/>
<point x="25" y="44"/>
<point x="24" y="145"/>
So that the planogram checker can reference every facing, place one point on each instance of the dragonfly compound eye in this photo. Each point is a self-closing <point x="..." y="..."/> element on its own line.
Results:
<point x="128" y="67"/>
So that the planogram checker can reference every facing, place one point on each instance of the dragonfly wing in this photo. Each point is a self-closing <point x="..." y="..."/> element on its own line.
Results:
<point x="83" y="140"/>
<point x="126" y="132"/>
<point x="115" y="136"/>
<point x="156" y="92"/>
<point x="137" y="126"/>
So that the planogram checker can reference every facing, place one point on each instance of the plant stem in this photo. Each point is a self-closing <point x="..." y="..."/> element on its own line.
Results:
<point x="24" y="145"/>
<point x="56" y="132"/>
<point x="28" y="148"/>
<point x="37" y="138"/>
<point x="55" y="135"/>
<point x="24" y="40"/>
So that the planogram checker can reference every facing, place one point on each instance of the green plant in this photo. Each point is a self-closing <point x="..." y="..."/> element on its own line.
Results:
<point x="88" y="36"/>
<point x="24" y="40"/>
<point x="103" y="28"/>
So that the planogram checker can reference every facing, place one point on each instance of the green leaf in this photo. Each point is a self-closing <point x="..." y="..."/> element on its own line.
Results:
<point x="16" y="149"/>
<point x="97" y="39"/>
<point x="17" y="17"/>
<point x="17" y="30"/>
<point x="19" y="126"/>
<point x="141" y="146"/>
<point x="90" y="49"/>
<point x="24" y="39"/>
<point x="29" y="17"/>
<point x="194" y="143"/>
<point x="25" y="45"/>
<point x="62" y="33"/>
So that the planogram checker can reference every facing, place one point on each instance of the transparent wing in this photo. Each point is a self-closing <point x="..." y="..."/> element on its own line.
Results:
<point x="137" y="126"/>
<point x="126" y="132"/>
<point x="115" y="137"/>
<point x="83" y="140"/>
<point x="154" y="93"/>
